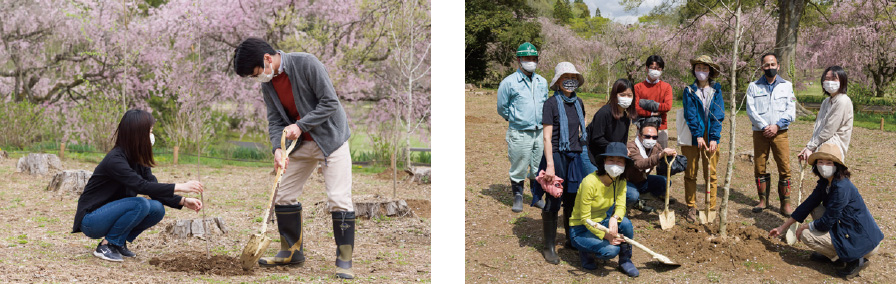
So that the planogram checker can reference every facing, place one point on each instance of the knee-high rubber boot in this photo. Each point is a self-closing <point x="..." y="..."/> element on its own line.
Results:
<point x="289" y="222"/>
<point x="784" y="195"/>
<point x="549" y="225"/>
<point x="762" y="187"/>
<point x="517" y="188"/>
<point x="344" y="234"/>
<point x="625" y="260"/>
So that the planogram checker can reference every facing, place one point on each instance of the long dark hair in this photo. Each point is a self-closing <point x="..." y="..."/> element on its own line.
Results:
<point x="841" y="75"/>
<point x="132" y="136"/>
<point x="620" y="86"/>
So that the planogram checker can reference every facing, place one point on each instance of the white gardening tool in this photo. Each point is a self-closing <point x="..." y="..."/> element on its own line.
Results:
<point x="662" y="258"/>
<point x="790" y="235"/>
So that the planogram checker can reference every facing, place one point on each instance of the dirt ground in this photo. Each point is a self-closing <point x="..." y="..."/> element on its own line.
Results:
<point x="502" y="246"/>
<point x="37" y="245"/>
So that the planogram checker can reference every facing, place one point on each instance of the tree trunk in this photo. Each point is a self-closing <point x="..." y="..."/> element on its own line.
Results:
<point x="723" y="209"/>
<point x="410" y="103"/>
<point x="176" y="149"/>
<point x="786" y="36"/>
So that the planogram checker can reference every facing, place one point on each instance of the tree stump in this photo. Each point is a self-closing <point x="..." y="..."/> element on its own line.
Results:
<point x="69" y="181"/>
<point x="4" y="155"/>
<point x="376" y="209"/>
<point x="194" y="227"/>
<point x="422" y="175"/>
<point x="39" y="164"/>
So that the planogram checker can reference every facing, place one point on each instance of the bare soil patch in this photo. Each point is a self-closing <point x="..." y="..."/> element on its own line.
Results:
<point x="198" y="262"/>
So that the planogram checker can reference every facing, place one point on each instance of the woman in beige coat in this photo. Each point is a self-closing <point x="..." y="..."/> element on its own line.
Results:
<point x="834" y="121"/>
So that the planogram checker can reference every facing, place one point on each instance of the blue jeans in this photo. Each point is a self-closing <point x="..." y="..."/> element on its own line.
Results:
<point x="587" y="167"/>
<point x="586" y="241"/>
<point x="122" y="220"/>
<point x="654" y="184"/>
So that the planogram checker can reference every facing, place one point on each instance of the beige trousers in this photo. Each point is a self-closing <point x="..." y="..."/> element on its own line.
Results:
<point x="337" y="170"/>
<point x="821" y="241"/>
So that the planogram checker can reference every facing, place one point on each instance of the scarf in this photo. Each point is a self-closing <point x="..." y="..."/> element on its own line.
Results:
<point x="642" y="150"/>
<point x="564" y="123"/>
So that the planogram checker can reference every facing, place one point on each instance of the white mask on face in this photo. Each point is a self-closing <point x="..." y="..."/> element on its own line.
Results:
<point x="654" y="74"/>
<point x="614" y="170"/>
<point x="826" y="171"/>
<point x="831" y="86"/>
<point x="701" y="76"/>
<point x="649" y="143"/>
<point x="625" y="102"/>
<point x="529" y="66"/>
<point x="264" y="78"/>
<point x="152" y="139"/>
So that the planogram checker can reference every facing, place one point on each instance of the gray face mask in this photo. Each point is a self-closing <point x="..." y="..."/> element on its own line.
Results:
<point x="570" y="84"/>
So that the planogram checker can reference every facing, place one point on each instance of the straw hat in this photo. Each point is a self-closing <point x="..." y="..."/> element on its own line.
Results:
<point x="705" y="59"/>
<point x="566" y="68"/>
<point x="827" y="151"/>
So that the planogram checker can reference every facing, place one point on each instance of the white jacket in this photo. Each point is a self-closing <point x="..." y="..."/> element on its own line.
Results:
<point x="765" y="109"/>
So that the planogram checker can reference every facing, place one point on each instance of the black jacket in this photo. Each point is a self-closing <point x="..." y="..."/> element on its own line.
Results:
<point x="116" y="178"/>
<point x="604" y="129"/>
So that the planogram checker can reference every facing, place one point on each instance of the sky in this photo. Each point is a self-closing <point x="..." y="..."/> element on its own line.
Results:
<point x="612" y="10"/>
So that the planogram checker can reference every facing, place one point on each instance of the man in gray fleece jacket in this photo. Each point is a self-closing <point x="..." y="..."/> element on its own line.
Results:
<point x="300" y="98"/>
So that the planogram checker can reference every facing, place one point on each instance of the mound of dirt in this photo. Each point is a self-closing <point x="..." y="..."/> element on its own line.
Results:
<point x="197" y="262"/>
<point x="701" y="244"/>
<point x="420" y="207"/>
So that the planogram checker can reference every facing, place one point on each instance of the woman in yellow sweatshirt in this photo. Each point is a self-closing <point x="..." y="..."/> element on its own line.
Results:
<point x="601" y="198"/>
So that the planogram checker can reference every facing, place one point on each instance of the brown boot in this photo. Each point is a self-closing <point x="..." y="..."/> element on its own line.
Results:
<point x="784" y="195"/>
<point x="762" y="187"/>
<point x="691" y="217"/>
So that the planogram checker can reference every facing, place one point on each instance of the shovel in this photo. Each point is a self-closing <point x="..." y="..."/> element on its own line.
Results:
<point x="707" y="216"/>
<point x="662" y="258"/>
<point x="667" y="217"/>
<point x="790" y="236"/>
<point x="258" y="243"/>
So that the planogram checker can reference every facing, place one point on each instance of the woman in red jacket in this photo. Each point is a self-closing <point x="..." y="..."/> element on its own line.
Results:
<point x="109" y="207"/>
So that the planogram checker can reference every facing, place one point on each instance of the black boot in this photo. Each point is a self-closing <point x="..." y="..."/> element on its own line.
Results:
<point x="344" y="234"/>
<point x="852" y="268"/>
<point x="549" y="225"/>
<point x="784" y="196"/>
<point x="762" y="188"/>
<point x="517" y="188"/>
<point x="289" y="222"/>
<point x="625" y="260"/>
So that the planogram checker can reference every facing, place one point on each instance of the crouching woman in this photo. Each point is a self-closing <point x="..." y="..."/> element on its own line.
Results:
<point x="109" y="207"/>
<point x="601" y="198"/>
<point x="843" y="232"/>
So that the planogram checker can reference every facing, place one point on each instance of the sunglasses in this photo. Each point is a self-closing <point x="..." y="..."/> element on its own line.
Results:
<point x="651" y="137"/>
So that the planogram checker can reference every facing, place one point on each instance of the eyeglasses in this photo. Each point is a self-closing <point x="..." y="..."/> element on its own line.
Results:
<point x="651" y="137"/>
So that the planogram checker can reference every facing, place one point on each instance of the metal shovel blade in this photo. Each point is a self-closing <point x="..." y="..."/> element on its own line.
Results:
<point x="707" y="216"/>
<point x="257" y="245"/>
<point x="667" y="219"/>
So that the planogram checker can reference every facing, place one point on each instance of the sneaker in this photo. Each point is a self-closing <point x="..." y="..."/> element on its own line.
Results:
<point x="123" y="250"/>
<point x="641" y="205"/>
<point x="852" y="268"/>
<point x="107" y="252"/>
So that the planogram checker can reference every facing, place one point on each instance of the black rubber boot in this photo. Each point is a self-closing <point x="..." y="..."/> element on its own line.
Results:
<point x="762" y="188"/>
<point x="784" y="196"/>
<point x="517" y="188"/>
<point x="549" y="225"/>
<point x="853" y="268"/>
<point x="289" y="222"/>
<point x="625" y="260"/>
<point x="344" y="234"/>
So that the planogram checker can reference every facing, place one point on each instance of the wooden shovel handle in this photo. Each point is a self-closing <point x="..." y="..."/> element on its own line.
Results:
<point x="267" y="211"/>
<point x="627" y="240"/>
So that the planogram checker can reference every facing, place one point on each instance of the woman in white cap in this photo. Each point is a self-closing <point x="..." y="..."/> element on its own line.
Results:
<point x="843" y="232"/>
<point x="564" y="137"/>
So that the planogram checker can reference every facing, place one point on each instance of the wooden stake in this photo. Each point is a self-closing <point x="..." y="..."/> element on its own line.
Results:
<point x="176" y="148"/>
<point x="881" y="123"/>
<point x="62" y="145"/>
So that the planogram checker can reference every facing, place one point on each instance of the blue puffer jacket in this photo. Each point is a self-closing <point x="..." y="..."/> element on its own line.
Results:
<point x="696" y="116"/>
<point x="852" y="228"/>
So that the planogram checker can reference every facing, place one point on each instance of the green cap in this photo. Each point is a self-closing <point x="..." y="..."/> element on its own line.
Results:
<point x="526" y="49"/>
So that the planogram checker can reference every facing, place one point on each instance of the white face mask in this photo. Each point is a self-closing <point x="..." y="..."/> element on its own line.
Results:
<point x="529" y="66"/>
<point x="649" y="143"/>
<point x="264" y="78"/>
<point x="701" y="76"/>
<point x="831" y="86"/>
<point x="625" y="102"/>
<point x="654" y="74"/>
<point x="614" y="170"/>
<point x="826" y="171"/>
<point x="152" y="139"/>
